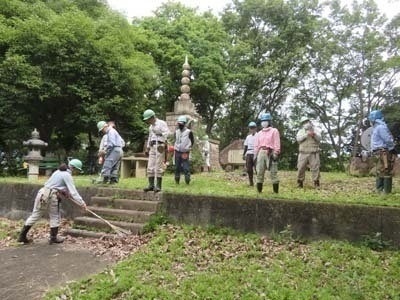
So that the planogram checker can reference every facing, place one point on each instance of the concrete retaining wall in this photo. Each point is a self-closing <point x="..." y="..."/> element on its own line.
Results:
<point x="307" y="219"/>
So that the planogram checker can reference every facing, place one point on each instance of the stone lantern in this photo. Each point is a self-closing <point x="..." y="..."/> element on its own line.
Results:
<point x="34" y="157"/>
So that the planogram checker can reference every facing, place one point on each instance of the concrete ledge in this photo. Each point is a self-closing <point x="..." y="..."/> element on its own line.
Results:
<point x="308" y="219"/>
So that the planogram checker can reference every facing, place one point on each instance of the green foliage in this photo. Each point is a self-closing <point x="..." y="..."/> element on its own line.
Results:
<point x="155" y="221"/>
<point x="376" y="242"/>
<point x="187" y="262"/>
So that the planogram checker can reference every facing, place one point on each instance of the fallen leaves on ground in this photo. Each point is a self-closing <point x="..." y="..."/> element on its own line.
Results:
<point x="114" y="249"/>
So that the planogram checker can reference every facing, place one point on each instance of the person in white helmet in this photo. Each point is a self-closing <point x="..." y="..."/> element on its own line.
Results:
<point x="156" y="142"/>
<point x="248" y="152"/>
<point x="60" y="186"/>
<point x="308" y="137"/>
<point x="113" y="152"/>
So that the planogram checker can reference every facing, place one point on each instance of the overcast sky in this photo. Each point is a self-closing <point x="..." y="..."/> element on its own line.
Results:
<point x="135" y="8"/>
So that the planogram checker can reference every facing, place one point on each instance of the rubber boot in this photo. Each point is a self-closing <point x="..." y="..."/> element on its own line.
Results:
<point x="151" y="185"/>
<point x="159" y="183"/>
<point x="53" y="236"/>
<point x="106" y="179"/>
<point x="275" y="187"/>
<point x="177" y="180"/>
<point x="22" y="236"/>
<point x="259" y="187"/>
<point x="379" y="184"/>
<point x="300" y="184"/>
<point x="113" y="180"/>
<point x="387" y="185"/>
<point x="316" y="184"/>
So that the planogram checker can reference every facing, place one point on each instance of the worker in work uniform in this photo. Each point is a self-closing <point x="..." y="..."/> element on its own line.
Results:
<point x="308" y="137"/>
<point x="248" y="153"/>
<point x="184" y="141"/>
<point x="113" y="152"/>
<point x="382" y="147"/>
<point x="60" y="186"/>
<point x="156" y="147"/>
<point x="205" y="153"/>
<point x="267" y="147"/>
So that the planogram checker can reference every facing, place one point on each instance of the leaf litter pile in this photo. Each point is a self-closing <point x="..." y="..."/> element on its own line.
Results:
<point x="114" y="249"/>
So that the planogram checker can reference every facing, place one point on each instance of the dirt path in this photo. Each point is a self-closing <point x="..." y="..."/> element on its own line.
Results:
<point x="27" y="272"/>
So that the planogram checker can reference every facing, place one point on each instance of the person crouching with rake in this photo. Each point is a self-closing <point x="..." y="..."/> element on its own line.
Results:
<point x="58" y="187"/>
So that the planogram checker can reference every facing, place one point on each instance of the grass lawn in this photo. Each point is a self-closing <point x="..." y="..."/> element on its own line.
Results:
<point x="335" y="187"/>
<point x="183" y="262"/>
<point x="193" y="263"/>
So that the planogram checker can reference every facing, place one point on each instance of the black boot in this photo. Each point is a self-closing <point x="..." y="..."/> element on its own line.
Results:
<point x="106" y="179"/>
<point x="151" y="185"/>
<point x="387" y="185"/>
<point x="300" y="184"/>
<point x="259" y="187"/>
<point x="22" y="236"/>
<point x="177" y="179"/>
<point x="316" y="184"/>
<point x="113" y="180"/>
<point x="53" y="236"/>
<point x="159" y="183"/>
<point x="275" y="187"/>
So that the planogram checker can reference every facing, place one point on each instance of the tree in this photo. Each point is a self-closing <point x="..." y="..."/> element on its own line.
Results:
<point x="266" y="60"/>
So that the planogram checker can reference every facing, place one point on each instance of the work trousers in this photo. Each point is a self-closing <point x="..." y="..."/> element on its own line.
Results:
<point x="112" y="163"/>
<point x="384" y="161"/>
<point x="308" y="159"/>
<point x="266" y="163"/>
<point x="155" y="165"/>
<point x="46" y="199"/>
<point x="182" y="164"/>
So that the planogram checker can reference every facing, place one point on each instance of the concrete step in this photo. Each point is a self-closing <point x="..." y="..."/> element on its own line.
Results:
<point x="128" y="194"/>
<point x="140" y="205"/>
<point x="88" y="222"/>
<point x="89" y="234"/>
<point x="133" y="216"/>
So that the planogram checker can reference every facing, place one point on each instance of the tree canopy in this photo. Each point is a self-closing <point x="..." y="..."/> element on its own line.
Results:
<point x="65" y="65"/>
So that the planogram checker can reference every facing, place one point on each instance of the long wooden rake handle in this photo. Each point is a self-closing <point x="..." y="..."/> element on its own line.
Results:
<point x="119" y="230"/>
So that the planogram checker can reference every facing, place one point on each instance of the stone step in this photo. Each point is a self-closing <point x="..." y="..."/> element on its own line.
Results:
<point x="133" y="216"/>
<point x="135" y="228"/>
<point x="140" y="205"/>
<point x="89" y="234"/>
<point x="128" y="194"/>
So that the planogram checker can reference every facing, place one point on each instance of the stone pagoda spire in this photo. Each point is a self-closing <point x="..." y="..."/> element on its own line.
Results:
<point x="184" y="103"/>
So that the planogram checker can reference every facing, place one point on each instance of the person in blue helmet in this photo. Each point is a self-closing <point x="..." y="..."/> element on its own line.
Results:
<point x="382" y="148"/>
<point x="184" y="141"/>
<point x="267" y="148"/>
<point x="248" y="152"/>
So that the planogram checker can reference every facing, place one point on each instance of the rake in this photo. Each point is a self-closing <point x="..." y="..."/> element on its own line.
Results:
<point x="120" y="231"/>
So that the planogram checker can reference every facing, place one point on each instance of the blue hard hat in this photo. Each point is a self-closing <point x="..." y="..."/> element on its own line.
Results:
<point x="182" y="119"/>
<point x="252" y="124"/>
<point x="265" y="117"/>
<point x="375" y="115"/>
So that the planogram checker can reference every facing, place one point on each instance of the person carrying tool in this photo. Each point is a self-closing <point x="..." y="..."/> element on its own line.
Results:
<point x="248" y="152"/>
<point x="184" y="141"/>
<point x="267" y="147"/>
<point x="156" y="142"/>
<point x="59" y="186"/>
<point x="382" y="147"/>
<point x="113" y="152"/>
<point x="309" y="139"/>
